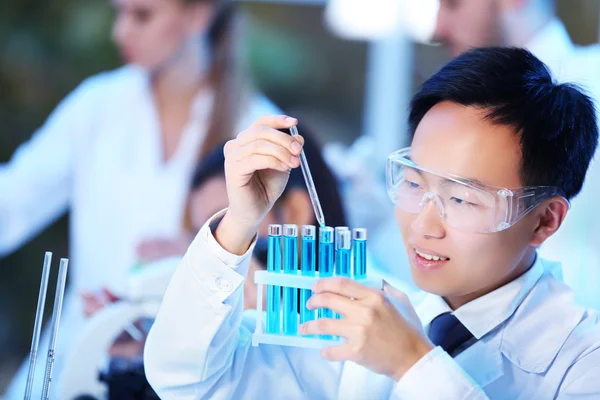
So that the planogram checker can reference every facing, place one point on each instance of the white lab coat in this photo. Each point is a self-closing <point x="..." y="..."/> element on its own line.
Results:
<point x="100" y="154"/>
<point x="534" y="342"/>
<point x="576" y="245"/>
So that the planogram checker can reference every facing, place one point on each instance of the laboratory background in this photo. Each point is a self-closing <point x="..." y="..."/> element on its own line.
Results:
<point x="346" y="69"/>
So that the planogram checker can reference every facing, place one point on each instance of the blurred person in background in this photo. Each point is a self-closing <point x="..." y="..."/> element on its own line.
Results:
<point x="120" y="150"/>
<point x="533" y="24"/>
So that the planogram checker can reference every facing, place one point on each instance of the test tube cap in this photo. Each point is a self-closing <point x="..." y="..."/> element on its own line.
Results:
<point x="342" y="239"/>
<point x="359" y="234"/>
<point x="309" y="232"/>
<point x="326" y="234"/>
<point x="341" y="228"/>
<point x="274" y="230"/>
<point x="290" y="230"/>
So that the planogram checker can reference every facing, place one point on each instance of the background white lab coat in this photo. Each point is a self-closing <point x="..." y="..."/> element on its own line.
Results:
<point x="100" y="155"/>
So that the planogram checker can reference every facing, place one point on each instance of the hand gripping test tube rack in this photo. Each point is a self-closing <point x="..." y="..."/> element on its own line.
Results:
<point x="338" y="252"/>
<point x="289" y="287"/>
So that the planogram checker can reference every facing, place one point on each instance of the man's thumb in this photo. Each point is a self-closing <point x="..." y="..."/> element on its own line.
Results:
<point x="394" y="293"/>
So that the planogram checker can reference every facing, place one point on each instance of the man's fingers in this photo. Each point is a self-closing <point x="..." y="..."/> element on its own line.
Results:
<point x="395" y="293"/>
<point x="257" y="162"/>
<point x="326" y="326"/>
<point x="292" y="143"/>
<point x="343" y="286"/>
<point x="275" y="121"/>
<point x="340" y="304"/>
<point x="338" y="353"/>
<point x="401" y="301"/>
<point x="267" y="148"/>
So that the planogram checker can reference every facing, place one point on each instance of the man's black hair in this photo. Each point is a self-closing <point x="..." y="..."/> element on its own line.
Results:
<point x="556" y="123"/>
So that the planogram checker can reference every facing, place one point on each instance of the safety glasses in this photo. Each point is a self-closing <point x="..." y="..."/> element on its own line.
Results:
<point x="463" y="203"/>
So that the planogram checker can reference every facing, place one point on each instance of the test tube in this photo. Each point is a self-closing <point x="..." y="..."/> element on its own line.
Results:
<point x="274" y="292"/>
<point x="290" y="266"/>
<point x="37" y="327"/>
<point x="359" y="239"/>
<point x="338" y="229"/>
<point x="343" y="246"/>
<point x="326" y="263"/>
<point x="58" y="301"/>
<point x="326" y="252"/>
<point x="308" y="267"/>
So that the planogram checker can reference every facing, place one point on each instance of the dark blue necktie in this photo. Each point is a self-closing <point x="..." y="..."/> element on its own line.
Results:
<point x="448" y="332"/>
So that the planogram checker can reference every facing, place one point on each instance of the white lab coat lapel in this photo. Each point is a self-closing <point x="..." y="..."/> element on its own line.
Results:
<point x="482" y="361"/>
<point x="359" y="383"/>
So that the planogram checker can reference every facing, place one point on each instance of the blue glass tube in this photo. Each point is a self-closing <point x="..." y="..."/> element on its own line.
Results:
<point x="326" y="265"/>
<point x="274" y="292"/>
<point x="337" y="230"/>
<point x="359" y="239"/>
<point x="343" y="249"/>
<point x="308" y="267"/>
<point x="325" y="252"/>
<point x="290" y="266"/>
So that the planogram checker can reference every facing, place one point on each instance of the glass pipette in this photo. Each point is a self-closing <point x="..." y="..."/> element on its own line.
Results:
<point x="310" y="184"/>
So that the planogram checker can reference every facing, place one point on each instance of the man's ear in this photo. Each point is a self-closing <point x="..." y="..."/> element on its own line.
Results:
<point x="296" y="208"/>
<point x="549" y="218"/>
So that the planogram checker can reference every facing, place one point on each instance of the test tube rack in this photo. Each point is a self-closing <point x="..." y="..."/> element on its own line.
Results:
<point x="292" y="269"/>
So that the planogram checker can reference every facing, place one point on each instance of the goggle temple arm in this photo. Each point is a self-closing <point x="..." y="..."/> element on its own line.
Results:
<point x="527" y="199"/>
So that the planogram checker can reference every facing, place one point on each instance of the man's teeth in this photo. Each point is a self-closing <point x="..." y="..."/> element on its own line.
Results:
<point x="430" y="257"/>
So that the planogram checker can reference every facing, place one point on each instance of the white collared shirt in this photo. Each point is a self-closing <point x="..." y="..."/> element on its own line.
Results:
<point x="576" y="245"/>
<point x="534" y="342"/>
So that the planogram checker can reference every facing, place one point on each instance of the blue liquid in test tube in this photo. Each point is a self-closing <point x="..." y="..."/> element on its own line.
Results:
<point x="326" y="252"/>
<point x="335" y="236"/>
<point x="308" y="266"/>
<point x="274" y="292"/>
<point x="290" y="265"/>
<point x="326" y="265"/>
<point x="343" y="249"/>
<point x="359" y="238"/>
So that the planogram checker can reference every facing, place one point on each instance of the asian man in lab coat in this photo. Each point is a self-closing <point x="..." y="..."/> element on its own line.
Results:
<point x="533" y="24"/>
<point x="498" y="151"/>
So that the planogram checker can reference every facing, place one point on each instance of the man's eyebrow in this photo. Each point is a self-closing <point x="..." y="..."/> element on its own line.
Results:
<point x="468" y="181"/>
